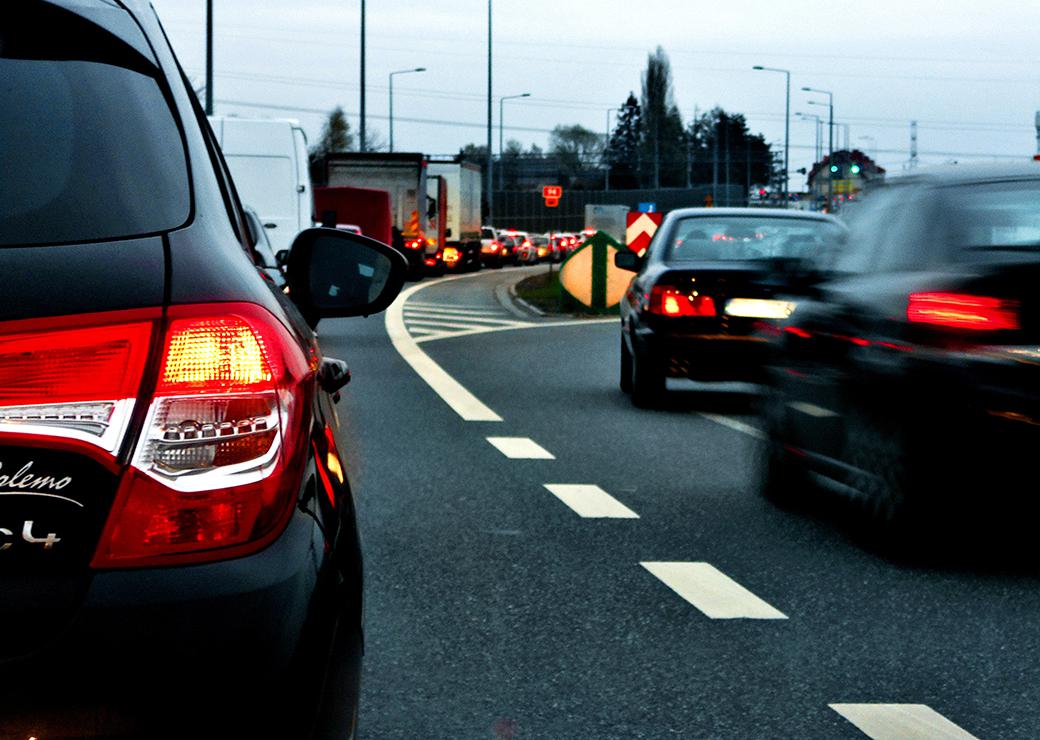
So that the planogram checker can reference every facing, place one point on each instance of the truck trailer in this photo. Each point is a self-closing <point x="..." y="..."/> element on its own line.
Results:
<point x="456" y="187"/>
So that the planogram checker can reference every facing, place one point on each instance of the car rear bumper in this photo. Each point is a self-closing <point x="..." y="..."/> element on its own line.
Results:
<point x="180" y="645"/>
<point x="704" y="357"/>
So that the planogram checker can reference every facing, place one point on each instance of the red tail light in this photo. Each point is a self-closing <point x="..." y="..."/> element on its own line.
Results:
<point x="673" y="302"/>
<point x="413" y="244"/>
<point x="961" y="311"/>
<point x="451" y="255"/>
<point x="73" y="382"/>
<point x="218" y="458"/>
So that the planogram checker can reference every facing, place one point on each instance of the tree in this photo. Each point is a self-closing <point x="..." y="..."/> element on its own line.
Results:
<point x="577" y="151"/>
<point x="725" y="152"/>
<point x="622" y="153"/>
<point x="336" y="136"/>
<point x="663" y="141"/>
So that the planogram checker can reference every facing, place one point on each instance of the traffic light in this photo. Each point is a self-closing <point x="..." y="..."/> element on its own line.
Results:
<point x="855" y="169"/>
<point x="835" y="169"/>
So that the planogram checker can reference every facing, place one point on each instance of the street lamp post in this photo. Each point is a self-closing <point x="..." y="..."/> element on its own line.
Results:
<point x="787" y="131"/>
<point x="209" y="57"/>
<point x="398" y="72"/>
<point x="362" y="145"/>
<point x="501" y="149"/>
<point x="819" y="136"/>
<point x="830" y="125"/>
<point x="490" y="159"/>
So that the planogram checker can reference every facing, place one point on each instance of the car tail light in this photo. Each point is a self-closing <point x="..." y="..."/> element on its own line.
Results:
<point x="413" y="244"/>
<point x="961" y="311"/>
<point x="75" y="382"/>
<point x="218" y="459"/>
<point x="451" y="255"/>
<point x="673" y="302"/>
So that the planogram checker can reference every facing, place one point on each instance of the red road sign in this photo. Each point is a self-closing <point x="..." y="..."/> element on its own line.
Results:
<point x="640" y="228"/>
<point x="552" y="202"/>
<point x="552" y="191"/>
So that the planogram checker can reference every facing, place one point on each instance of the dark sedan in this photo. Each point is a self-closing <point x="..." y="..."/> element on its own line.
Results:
<point x="909" y="379"/>
<point x="179" y="554"/>
<point x="705" y="283"/>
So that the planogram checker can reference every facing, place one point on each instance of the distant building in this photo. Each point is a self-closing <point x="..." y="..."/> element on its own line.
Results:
<point x="842" y="177"/>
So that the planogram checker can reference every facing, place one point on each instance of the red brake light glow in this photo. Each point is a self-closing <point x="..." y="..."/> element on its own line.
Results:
<point x="217" y="463"/>
<point x="674" y="302"/>
<point x="961" y="311"/>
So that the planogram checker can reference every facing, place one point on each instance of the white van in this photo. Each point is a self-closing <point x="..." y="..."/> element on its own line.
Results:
<point x="268" y="161"/>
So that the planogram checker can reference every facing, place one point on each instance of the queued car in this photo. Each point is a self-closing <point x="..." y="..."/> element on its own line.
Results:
<point x="492" y="252"/>
<point x="907" y="377"/>
<point x="179" y="554"/>
<point x="702" y="288"/>
<point x="543" y="247"/>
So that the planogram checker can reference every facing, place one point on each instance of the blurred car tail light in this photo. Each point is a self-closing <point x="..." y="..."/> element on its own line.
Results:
<point x="218" y="459"/>
<point x="672" y="302"/>
<point x="451" y="255"/>
<point x="413" y="244"/>
<point x="962" y="311"/>
<point x="79" y="382"/>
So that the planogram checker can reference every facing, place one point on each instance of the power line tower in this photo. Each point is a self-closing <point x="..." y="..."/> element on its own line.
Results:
<point x="913" y="144"/>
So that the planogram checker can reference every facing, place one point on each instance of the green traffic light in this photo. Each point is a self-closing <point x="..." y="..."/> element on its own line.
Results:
<point x="834" y="168"/>
<point x="855" y="169"/>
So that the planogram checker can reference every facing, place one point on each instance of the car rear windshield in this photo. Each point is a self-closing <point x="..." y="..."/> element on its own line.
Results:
<point x="89" y="146"/>
<point x="993" y="218"/>
<point x="748" y="238"/>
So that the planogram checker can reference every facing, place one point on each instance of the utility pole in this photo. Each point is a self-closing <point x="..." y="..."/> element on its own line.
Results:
<point x="361" y="127"/>
<point x="715" y="165"/>
<point x="490" y="161"/>
<point x="787" y="131"/>
<point x="209" y="57"/>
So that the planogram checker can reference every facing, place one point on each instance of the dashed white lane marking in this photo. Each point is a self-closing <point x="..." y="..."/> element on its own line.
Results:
<point x="901" y="722"/>
<point x="412" y="317"/>
<point x="735" y="425"/>
<point x="451" y="310"/>
<point x="590" y="502"/>
<point x="521" y="448"/>
<point x="812" y="409"/>
<point x="451" y="391"/>
<point x="458" y="306"/>
<point x="713" y="592"/>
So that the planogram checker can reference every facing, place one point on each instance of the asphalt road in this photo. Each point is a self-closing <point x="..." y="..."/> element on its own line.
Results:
<point x="495" y="610"/>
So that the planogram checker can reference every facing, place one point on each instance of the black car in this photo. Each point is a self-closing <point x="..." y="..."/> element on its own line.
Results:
<point x="908" y="378"/>
<point x="178" y="547"/>
<point x="703" y="286"/>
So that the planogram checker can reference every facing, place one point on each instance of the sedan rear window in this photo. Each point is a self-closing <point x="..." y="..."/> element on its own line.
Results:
<point x="748" y="238"/>
<point x="994" y="217"/>
<point x="89" y="146"/>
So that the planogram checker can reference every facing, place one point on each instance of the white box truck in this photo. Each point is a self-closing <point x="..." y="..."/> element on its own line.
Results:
<point x="268" y="162"/>
<point x="403" y="175"/>
<point x="462" y="195"/>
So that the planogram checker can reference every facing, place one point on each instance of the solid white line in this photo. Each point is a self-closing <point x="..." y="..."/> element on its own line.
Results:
<point x="409" y="321"/>
<point x="591" y="502"/>
<point x="453" y="311"/>
<point x="520" y="448"/>
<point x="474" y="320"/>
<point x="453" y="306"/>
<point x="735" y="425"/>
<point x="901" y="722"/>
<point x="461" y="401"/>
<point x="713" y="592"/>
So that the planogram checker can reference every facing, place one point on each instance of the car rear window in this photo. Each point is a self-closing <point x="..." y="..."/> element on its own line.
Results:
<point x="89" y="145"/>
<point x="993" y="218"/>
<point x="747" y="238"/>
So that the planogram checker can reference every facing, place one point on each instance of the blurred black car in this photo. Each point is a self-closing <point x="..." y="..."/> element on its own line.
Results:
<point x="179" y="554"/>
<point x="703" y="286"/>
<point x="909" y="378"/>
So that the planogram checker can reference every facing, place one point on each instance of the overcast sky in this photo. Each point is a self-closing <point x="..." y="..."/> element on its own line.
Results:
<point x="967" y="71"/>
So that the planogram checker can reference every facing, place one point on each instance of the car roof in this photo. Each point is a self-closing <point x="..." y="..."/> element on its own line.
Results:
<point x="965" y="174"/>
<point x="755" y="212"/>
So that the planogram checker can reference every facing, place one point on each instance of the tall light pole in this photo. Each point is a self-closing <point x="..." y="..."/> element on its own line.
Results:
<point x="398" y="72"/>
<point x="501" y="112"/>
<point x="209" y="57"/>
<point x="819" y="137"/>
<point x="830" y="124"/>
<point x="361" y="125"/>
<point x="490" y="182"/>
<point x="787" y="131"/>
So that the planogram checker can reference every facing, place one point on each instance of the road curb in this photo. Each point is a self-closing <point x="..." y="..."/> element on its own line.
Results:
<point x="507" y="296"/>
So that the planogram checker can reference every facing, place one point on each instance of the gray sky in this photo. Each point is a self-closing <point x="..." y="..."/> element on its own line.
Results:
<point x="968" y="71"/>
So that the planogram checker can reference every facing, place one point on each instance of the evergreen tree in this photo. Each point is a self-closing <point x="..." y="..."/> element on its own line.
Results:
<point x="663" y="147"/>
<point x="723" y="150"/>
<point x="336" y="136"/>
<point x="622" y="153"/>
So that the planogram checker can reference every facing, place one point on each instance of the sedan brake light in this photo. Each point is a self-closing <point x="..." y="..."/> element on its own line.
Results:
<point x="962" y="311"/>
<point x="218" y="456"/>
<point x="673" y="302"/>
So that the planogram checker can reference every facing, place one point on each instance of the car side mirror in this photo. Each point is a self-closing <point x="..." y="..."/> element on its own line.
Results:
<point x="626" y="259"/>
<point x="333" y="273"/>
